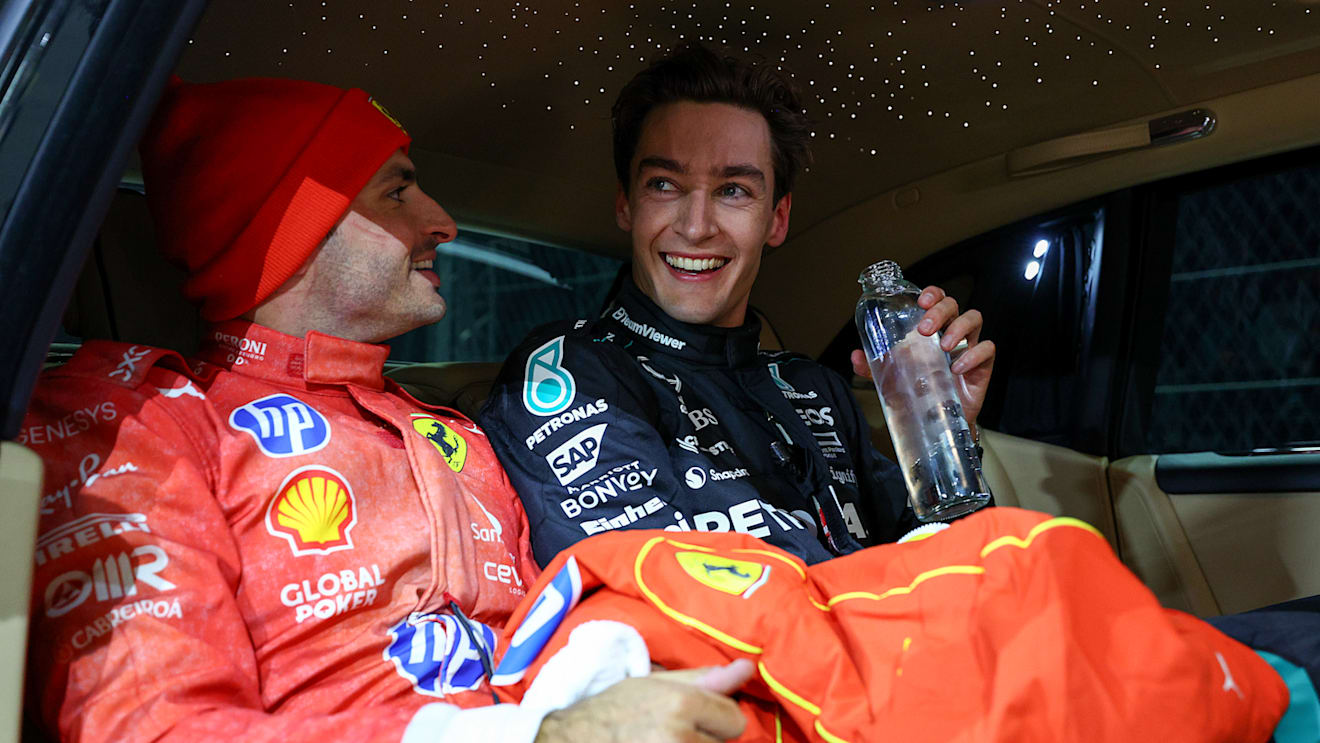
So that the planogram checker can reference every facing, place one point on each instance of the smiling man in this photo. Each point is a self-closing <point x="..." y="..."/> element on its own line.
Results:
<point x="663" y="413"/>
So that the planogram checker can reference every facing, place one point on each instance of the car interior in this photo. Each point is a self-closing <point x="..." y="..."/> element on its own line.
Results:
<point x="1128" y="191"/>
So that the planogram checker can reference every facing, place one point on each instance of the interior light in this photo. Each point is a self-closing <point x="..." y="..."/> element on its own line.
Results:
<point x="1033" y="268"/>
<point x="1042" y="247"/>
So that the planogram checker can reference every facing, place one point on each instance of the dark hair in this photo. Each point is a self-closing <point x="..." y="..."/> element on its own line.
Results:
<point x="695" y="72"/>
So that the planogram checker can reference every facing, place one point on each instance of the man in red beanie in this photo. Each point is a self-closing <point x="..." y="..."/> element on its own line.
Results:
<point x="271" y="540"/>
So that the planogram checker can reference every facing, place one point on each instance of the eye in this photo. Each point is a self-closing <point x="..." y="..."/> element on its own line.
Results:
<point x="731" y="191"/>
<point x="661" y="184"/>
<point x="396" y="194"/>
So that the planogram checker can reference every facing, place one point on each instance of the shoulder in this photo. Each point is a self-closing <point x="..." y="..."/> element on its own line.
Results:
<point x="575" y="346"/>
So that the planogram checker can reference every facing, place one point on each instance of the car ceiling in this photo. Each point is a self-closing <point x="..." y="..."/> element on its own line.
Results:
<point x="508" y="102"/>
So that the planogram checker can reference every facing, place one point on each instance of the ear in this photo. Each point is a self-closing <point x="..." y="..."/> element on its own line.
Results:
<point x="779" y="224"/>
<point x="622" y="211"/>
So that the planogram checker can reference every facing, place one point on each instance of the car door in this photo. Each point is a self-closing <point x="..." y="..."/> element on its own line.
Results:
<point x="77" y="83"/>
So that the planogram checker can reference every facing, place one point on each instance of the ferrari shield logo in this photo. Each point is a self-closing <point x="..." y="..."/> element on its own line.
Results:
<point x="737" y="577"/>
<point x="445" y="440"/>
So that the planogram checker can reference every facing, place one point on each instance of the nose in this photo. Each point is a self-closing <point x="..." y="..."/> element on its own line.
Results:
<point x="696" y="218"/>
<point x="434" y="221"/>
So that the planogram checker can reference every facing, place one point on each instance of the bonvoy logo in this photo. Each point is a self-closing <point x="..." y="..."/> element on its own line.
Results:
<point x="548" y="388"/>
<point x="647" y="332"/>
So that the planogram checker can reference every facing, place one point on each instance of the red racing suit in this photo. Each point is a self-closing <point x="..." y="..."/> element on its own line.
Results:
<point x="1008" y="626"/>
<point x="268" y="541"/>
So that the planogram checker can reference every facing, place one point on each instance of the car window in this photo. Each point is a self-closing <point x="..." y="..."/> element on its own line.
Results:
<point x="1239" y="354"/>
<point x="498" y="288"/>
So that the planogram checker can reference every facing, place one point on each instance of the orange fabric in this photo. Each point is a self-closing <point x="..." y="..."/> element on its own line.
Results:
<point x="1009" y="626"/>
<point x="208" y="568"/>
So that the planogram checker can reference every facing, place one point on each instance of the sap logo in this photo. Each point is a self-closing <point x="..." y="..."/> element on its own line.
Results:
<point x="582" y="412"/>
<point x="702" y="418"/>
<point x="631" y="515"/>
<point x="577" y="456"/>
<point x="436" y="655"/>
<point x="548" y="388"/>
<point x="554" y="602"/>
<point x="816" y="416"/>
<point x="282" y="425"/>
<point x="332" y="594"/>
<point x="113" y="577"/>
<point x="611" y="487"/>
<point x="90" y="529"/>
<point x="69" y="426"/>
<point x="498" y="572"/>
<point x="778" y="380"/>
<point x="747" y="517"/>
<point x="728" y="474"/>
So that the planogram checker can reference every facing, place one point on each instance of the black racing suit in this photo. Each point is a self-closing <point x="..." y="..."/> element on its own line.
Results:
<point x="637" y="420"/>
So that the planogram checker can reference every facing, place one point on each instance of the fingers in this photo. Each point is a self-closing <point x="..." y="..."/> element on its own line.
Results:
<point x="938" y="315"/>
<point x="981" y="354"/>
<point x="717" y="716"/>
<point x="930" y="296"/>
<point x="860" y="367"/>
<point x="727" y="679"/>
<point x="966" y="325"/>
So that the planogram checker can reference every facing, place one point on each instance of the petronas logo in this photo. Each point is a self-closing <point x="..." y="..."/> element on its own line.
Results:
<point x="548" y="388"/>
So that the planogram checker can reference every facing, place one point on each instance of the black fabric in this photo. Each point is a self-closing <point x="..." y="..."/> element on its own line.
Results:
<point x="679" y="426"/>
<point x="1290" y="630"/>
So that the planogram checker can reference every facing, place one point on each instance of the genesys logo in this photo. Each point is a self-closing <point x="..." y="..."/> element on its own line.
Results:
<point x="452" y="447"/>
<point x="113" y="577"/>
<point x="314" y="510"/>
<point x="437" y="655"/>
<point x="79" y="421"/>
<point x="282" y="425"/>
<point x="548" y="388"/>
<point x="577" y="456"/>
<point x="85" y="531"/>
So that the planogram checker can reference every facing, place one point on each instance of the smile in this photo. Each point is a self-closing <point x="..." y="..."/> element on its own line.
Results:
<point x="694" y="265"/>
<point x="423" y="265"/>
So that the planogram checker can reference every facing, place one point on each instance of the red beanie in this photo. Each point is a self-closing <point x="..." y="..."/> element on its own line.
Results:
<point x="245" y="178"/>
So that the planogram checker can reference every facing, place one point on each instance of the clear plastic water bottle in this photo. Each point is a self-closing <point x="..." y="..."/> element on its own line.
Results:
<point x="911" y="372"/>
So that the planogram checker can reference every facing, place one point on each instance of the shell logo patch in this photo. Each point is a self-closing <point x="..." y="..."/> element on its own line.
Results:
<point x="445" y="440"/>
<point x="314" y="511"/>
<point x="737" y="577"/>
<point x="384" y="112"/>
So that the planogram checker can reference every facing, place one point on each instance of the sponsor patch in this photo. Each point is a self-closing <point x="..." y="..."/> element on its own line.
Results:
<point x="282" y="425"/>
<point x="695" y="478"/>
<point x="548" y="388"/>
<point x="436" y="655"/>
<point x="830" y="443"/>
<point x="577" y="456"/>
<point x="127" y="368"/>
<point x="87" y="474"/>
<point x="333" y="593"/>
<point x="646" y="331"/>
<point x="747" y="517"/>
<point x="736" y="577"/>
<point x="113" y="577"/>
<point x="104" y="624"/>
<point x="84" y="531"/>
<point x="631" y="515"/>
<point x="602" y="491"/>
<point x="240" y="350"/>
<point x="778" y="380"/>
<point x="445" y="439"/>
<point x="558" y="596"/>
<point x="79" y="421"/>
<point x="314" y="511"/>
<point x="581" y="412"/>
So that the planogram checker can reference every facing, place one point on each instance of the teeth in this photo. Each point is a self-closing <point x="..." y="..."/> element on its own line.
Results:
<point x="694" y="264"/>
<point x="419" y="265"/>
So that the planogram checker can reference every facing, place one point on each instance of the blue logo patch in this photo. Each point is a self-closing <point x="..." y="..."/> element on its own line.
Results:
<point x="282" y="425"/>
<point x="548" y="388"/>
<point x="558" y="597"/>
<point x="436" y="656"/>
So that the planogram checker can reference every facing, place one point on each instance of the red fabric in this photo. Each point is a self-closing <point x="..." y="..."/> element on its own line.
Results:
<point x="246" y="177"/>
<point x="232" y="629"/>
<point x="1009" y="626"/>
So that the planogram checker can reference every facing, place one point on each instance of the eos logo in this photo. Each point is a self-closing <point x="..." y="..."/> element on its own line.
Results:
<point x="577" y="456"/>
<point x="816" y="416"/>
<point x="695" y="478"/>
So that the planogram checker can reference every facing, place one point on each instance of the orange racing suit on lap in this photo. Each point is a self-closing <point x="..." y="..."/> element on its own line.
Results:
<point x="269" y="541"/>
<point x="1008" y="626"/>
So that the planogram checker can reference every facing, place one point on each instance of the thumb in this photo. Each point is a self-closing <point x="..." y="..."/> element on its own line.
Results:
<point x="727" y="679"/>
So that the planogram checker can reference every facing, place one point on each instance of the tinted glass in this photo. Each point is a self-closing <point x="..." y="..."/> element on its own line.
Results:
<point x="499" y="288"/>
